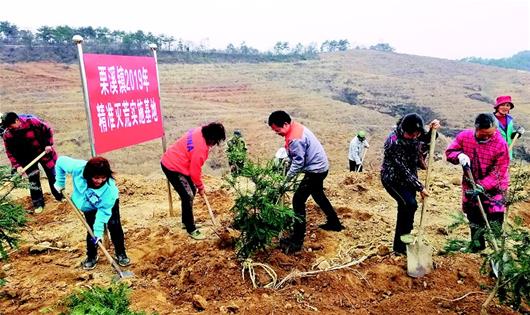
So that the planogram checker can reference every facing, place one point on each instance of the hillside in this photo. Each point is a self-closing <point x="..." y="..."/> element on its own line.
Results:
<point x="335" y="97"/>
<point x="242" y="96"/>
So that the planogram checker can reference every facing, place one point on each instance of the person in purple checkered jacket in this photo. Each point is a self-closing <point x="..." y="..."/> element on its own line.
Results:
<point x="485" y="152"/>
<point x="25" y="137"/>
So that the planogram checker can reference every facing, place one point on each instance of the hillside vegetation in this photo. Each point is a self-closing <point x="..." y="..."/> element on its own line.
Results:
<point x="520" y="60"/>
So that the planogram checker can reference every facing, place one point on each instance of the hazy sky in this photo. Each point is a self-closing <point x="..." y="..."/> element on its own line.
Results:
<point x="444" y="28"/>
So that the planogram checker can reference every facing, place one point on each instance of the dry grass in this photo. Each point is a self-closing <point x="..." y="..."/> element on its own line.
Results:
<point x="242" y="96"/>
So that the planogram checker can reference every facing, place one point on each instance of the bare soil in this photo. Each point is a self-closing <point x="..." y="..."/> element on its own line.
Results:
<point x="171" y="270"/>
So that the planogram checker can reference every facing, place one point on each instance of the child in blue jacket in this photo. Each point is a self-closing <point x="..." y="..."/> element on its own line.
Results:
<point x="94" y="193"/>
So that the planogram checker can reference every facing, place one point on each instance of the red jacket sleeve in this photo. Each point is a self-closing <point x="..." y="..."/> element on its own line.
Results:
<point x="197" y="161"/>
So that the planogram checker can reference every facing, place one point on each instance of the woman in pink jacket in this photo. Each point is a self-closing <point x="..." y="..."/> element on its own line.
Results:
<point x="486" y="153"/>
<point x="182" y="163"/>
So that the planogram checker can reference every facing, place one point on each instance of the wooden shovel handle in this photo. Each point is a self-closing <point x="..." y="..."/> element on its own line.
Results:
<point x="513" y="141"/>
<point x="362" y="160"/>
<point x="214" y="221"/>
<point x="89" y="230"/>
<point x="482" y="211"/>
<point x="24" y="169"/>
<point x="34" y="161"/>
<point x="428" y="176"/>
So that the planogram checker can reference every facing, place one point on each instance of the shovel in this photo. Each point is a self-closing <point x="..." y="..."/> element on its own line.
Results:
<point x="419" y="252"/>
<point x="494" y="265"/>
<point x="223" y="234"/>
<point x="362" y="160"/>
<point x="513" y="141"/>
<point x="122" y="274"/>
<point x="35" y="160"/>
<point x="210" y="212"/>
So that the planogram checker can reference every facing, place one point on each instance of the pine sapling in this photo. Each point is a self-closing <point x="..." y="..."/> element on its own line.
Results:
<point x="260" y="212"/>
<point x="12" y="215"/>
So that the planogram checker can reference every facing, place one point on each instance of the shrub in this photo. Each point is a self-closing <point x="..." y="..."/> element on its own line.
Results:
<point x="113" y="300"/>
<point x="260" y="212"/>
<point x="12" y="215"/>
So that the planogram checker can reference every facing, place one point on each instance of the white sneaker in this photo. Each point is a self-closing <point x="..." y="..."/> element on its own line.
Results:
<point x="38" y="210"/>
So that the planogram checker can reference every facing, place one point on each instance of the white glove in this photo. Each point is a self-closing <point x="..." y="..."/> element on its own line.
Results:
<point x="464" y="159"/>
<point x="520" y="130"/>
<point x="59" y="189"/>
<point x="281" y="153"/>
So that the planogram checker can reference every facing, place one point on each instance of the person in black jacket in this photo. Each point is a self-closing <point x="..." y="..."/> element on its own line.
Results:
<point x="403" y="153"/>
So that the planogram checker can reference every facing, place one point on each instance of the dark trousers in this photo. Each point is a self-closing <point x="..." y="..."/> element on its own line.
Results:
<point x="407" y="206"/>
<point x="312" y="184"/>
<point x="115" y="229"/>
<point x="354" y="166"/>
<point x="477" y="226"/>
<point x="186" y="190"/>
<point x="35" y="189"/>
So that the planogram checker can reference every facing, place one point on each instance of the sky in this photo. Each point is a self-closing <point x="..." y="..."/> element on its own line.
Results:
<point x="450" y="29"/>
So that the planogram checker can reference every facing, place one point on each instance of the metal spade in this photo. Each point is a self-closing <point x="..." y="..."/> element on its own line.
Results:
<point x="419" y="252"/>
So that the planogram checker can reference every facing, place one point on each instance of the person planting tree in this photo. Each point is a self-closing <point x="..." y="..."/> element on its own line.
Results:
<point x="403" y="155"/>
<point x="484" y="151"/>
<point x="95" y="193"/>
<point x="25" y="137"/>
<point x="358" y="147"/>
<point x="307" y="156"/>
<point x="182" y="164"/>
<point x="502" y="107"/>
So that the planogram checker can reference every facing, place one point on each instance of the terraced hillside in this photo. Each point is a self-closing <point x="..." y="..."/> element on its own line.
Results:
<point x="334" y="96"/>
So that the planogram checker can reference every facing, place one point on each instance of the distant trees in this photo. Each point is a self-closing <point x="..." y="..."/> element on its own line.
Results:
<point x="281" y="48"/>
<point x="243" y="49"/>
<point x="8" y="32"/>
<point x="335" y="45"/>
<point x="382" y="47"/>
<point x="55" y="43"/>
<point x="521" y="60"/>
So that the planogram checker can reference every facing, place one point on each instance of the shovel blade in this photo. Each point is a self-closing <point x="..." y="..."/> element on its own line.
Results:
<point x="419" y="258"/>
<point x="123" y="275"/>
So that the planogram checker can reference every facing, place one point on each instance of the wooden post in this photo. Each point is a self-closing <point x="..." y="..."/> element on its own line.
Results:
<point x="153" y="48"/>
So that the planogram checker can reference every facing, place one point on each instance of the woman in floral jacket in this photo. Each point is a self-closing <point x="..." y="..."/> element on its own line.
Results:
<point x="404" y="149"/>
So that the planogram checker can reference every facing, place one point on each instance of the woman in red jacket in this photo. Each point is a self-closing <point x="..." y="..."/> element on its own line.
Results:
<point x="182" y="163"/>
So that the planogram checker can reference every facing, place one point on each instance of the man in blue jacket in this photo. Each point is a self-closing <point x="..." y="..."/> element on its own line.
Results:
<point x="307" y="156"/>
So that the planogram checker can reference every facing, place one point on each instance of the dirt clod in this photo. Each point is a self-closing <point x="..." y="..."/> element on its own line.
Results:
<point x="199" y="302"/>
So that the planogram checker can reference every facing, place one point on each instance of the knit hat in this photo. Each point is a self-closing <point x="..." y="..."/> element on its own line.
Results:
<point x="412" y="123"/>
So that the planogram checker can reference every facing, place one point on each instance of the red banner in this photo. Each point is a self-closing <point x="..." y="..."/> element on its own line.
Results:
<point x="124" y="100"/>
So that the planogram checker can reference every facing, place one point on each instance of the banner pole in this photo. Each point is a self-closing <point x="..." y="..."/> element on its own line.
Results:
<point x="78" y="40"/>
<point x="153" y="48"/>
